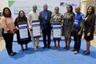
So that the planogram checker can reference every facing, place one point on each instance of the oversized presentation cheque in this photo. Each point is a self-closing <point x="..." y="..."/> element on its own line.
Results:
<point x="56" y="30"/>
<point x="36" y="28"/>
<point x="23" y="30"/>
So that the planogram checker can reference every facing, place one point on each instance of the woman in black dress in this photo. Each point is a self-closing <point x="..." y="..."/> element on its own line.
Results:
<point x="89" y="27"/>
<point x="20" y="20"/>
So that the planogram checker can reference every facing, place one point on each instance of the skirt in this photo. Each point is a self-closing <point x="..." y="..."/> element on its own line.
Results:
<point x="89" y="38"/>
<point x="23" y="41"/>
<point x="67" y="31"/>
<point x="56" y="39"/>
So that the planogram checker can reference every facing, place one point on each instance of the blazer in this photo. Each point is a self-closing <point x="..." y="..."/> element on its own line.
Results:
<point x="45" y="17"/>
<point x="89" y="24"/>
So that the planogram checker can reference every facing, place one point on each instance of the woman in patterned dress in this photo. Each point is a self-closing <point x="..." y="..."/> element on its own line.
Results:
<point x="68" y="25"/>
<point x="56" y="18"/>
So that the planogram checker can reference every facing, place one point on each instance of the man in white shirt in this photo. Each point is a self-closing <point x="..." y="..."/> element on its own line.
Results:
<point x="33" y="16"/>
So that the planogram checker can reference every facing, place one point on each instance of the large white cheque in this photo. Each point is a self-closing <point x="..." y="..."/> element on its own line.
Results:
<point x="23" y="30"/>
<point x="36" y="28"/>
<point x="57" y="30"/>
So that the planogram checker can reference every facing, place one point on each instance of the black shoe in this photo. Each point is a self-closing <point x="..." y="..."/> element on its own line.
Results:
<point x="37" y="46"/>
<point x="49" y="47"/>
<point x="26" y="49"/>
<point x="23" y="49"/>
<point x="73" y="49"/>
<point x="66" y="48"/>
<point x="45" y="47"/>
<point x="12" y="53"/>
<point x="76" y="52"/>
<point x="86" y="52"/>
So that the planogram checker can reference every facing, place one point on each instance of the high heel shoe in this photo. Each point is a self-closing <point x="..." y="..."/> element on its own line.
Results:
<point x="12" y="53"/>
<point x="86" y="52"/>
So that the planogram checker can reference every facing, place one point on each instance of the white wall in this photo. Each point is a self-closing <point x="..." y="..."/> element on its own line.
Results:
<point x="26" y="5"/>
<point x="3" y="3"/>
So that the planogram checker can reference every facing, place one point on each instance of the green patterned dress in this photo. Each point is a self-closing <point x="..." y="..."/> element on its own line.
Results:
<point x="68" y="24"/>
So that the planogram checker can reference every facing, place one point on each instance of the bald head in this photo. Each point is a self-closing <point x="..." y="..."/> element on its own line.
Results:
<point x="77" y="10"/>
<point x="34" y="8"/>
<point x="45" y="7"/>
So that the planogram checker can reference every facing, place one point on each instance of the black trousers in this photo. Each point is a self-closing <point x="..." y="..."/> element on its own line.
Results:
<point x="77" y="40"/>
<point x="8" y="37"/>
<point x="46" y="37"/>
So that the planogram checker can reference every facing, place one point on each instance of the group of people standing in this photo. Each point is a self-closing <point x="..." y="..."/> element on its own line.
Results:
<point x="73" y="24"/>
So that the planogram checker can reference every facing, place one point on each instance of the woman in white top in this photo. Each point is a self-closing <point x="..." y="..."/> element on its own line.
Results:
<point x="33" y="16"/>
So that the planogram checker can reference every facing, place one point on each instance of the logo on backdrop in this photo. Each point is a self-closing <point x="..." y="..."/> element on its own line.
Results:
<point x="26" y="5"/>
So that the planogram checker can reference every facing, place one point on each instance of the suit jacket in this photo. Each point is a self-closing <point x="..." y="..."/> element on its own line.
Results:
<point x="45" y="17"/>
<point x="89" y="24"/>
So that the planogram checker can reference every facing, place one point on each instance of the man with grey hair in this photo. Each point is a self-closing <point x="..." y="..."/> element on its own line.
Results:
<point x="45" y="17"/>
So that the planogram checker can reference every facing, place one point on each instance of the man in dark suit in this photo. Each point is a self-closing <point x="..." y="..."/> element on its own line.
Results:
<point x="45" y="17"/>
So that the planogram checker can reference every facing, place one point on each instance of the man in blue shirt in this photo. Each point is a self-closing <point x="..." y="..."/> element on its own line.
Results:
<point x="45" y="17"/>
<point x="77" y="33"/>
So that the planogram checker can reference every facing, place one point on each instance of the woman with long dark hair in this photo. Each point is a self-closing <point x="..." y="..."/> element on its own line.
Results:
<point x="9" y="29"/>
<point x="21" y="20"/>
<point x="89" y="27"/>
<point x="68" y="25"/>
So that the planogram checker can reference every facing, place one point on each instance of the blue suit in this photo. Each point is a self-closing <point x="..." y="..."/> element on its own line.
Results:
<point x="45" y="17"/>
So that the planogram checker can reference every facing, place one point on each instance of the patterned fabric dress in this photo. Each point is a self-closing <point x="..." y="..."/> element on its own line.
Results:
<point x="68" y="24"/>
<point x="56" y="18"/>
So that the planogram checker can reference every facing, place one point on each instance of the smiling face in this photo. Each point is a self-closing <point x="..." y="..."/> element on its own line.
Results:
<point x="89" y="10"/>
<point x="6" y="11"/>
<point x="77" y="10"/>
<point x="45" y="7"/>
<point x="69" y="8"/>
<point x="56" y="10"/>
<point x="21" y="13"/>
